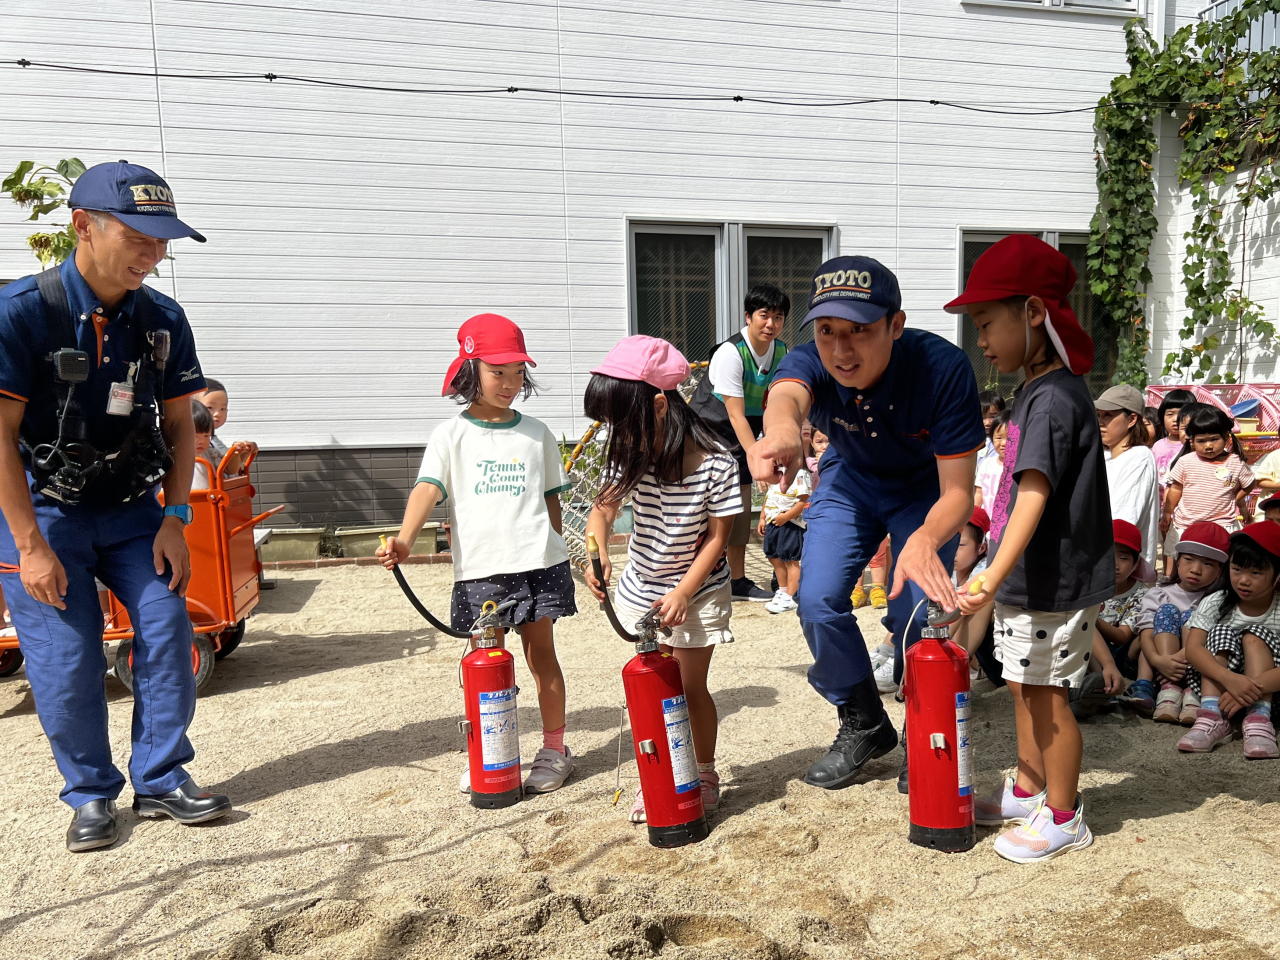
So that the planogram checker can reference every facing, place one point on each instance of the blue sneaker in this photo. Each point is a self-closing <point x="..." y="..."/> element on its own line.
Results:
<point x="1042" y="839"/>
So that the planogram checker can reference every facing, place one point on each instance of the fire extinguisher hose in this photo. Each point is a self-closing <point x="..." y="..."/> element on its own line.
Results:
<point x="420" y="607"/>
<point x="593" y="549"/>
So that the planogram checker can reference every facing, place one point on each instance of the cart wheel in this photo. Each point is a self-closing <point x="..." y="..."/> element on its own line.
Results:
<point x="10" y="661"/>
<point x="202" y="658"/>
<point x="124" y="663"/>
<point x="201" y="661"/>
<point x="230" y="640"/>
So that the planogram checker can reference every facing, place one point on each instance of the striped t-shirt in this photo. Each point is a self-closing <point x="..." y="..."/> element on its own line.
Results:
<point x="1209" y="488"/>
<point x="670" y="524"/>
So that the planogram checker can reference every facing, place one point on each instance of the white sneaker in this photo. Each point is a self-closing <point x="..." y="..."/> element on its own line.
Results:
<point x="882" y="653"/>
<point x="781" y="603"/>
<point x="464" y="781"/>
<point x="884" y="677"/>
<point x="549" y="771"/>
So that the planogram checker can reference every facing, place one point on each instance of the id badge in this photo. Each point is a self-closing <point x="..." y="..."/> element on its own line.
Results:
<point x="120" y="400"/>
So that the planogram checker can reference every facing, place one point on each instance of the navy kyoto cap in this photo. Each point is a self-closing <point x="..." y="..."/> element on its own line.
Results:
<point x="854" y="288"/>
<point x="134" y="195"/>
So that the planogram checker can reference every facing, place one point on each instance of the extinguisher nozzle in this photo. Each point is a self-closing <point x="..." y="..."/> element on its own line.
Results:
<point x="593" y="548"/>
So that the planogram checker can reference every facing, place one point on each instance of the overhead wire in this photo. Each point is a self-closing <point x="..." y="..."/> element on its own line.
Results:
<point x="999" y="109"/>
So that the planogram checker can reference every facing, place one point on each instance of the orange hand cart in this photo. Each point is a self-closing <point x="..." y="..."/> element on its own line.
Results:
<point x="223" y="589"/>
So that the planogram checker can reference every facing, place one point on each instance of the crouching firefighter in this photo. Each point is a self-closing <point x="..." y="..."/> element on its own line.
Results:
<point x="95" y="375"/>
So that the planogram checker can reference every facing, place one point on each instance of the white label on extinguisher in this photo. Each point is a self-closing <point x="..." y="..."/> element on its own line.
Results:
<point x="684" y="766"/>
<point x="499" y="734"/>
<point x="964" y="757"/>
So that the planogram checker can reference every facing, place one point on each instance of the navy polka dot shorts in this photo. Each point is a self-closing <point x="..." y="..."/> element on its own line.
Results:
<point x="538" y="593"/>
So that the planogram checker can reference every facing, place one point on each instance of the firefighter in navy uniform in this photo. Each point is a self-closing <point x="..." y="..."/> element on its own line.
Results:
<point x="96" y="371"/>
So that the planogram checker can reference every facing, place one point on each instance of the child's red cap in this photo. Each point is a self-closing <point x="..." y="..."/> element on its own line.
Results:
<point x="1021" y="265"/>
<point x="983" y="522"/>
<point x="1126" y="534"/>
<point x="1271" y="501"/>
<point x="488" y="337"/>
<point x="1206" y="539"/>
<point x="1265" y="534"/>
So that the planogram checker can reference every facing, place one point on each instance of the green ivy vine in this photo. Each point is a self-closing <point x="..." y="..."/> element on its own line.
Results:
<point x="1229" y="101"/>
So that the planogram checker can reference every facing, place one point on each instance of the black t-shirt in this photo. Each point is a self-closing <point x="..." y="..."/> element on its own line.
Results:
<point x="1070" y="562"/>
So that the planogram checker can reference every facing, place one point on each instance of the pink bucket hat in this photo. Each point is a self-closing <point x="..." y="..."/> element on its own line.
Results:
<point x="649" y="359"/>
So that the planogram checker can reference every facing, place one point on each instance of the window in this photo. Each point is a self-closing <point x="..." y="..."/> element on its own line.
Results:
<point x="687" y="281"/>
<point x="1125" y="8"/>
<point x="1087" y="306"/>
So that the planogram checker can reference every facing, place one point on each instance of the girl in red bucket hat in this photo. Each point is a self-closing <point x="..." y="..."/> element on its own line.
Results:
<point x="502" y="474"/>
<point x="1233" y="647"/>
<point x="1201" y="551"/>
<point x="1054" y="560"/>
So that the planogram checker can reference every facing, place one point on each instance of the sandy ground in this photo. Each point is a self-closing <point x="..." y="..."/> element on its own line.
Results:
<point x="333" y="729"/>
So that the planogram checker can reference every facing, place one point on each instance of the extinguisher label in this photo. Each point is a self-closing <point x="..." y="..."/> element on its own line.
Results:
<point x="964" y="757"/>
<point x="499" y="734"/>
<point x="684" y="766"/>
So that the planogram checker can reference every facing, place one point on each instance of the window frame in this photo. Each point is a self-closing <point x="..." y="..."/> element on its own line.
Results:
<point x="1126" y="9"/>
<point x="730" y="259"/>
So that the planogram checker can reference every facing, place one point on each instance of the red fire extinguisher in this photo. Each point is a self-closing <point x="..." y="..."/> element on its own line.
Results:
<point x="660" y="731"/>
<point x="939" y="763"/>
<point x="493" y="735"/>
<point x="488" y="679"/>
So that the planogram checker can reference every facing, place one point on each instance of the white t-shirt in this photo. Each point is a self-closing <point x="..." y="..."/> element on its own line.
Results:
<point x="671" y="522"/>
<point x="776" y="502"/>
<point x="1135" y="494"/>
<point x="498" y="476"/>
<point x="987" y="479"/>
<point x="725" y="369"/>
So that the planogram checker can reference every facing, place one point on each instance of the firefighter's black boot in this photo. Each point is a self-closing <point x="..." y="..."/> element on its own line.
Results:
<point x="865" y="733"/>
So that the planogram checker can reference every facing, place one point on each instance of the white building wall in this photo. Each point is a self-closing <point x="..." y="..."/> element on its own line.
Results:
<point x="1254" y="251"/>
<point x="350" y="232"/>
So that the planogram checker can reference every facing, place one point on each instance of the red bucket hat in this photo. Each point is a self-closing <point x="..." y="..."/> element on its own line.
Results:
<point x="1128" y="535"/>
<point x="1206" y="539"/>
<point x="488" y="337"/>
<point x="1025" y="266"/>
<point x="983" y="522"/>
<point x="1264" y="533"/>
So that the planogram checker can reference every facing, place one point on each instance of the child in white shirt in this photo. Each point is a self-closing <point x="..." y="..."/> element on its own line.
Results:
<point x="504" y="474"/>
<point x="782" y="526"/>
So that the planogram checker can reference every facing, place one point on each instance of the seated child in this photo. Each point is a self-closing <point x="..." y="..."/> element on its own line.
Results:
<point x="1233" y="647"/>
<point x="202" y="420"/>
<point x="215" y="398"/>
<point x="975" y="633"/>
<point x="1270" y="507"/>
<point x="1117" y="649"/>
<point x="1201" y="552"/>
<point x="782" y="526"/>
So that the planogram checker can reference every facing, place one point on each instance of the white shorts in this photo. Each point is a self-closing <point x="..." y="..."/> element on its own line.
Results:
<point x="706" y="623"/>
<point x="1044" y="649"/>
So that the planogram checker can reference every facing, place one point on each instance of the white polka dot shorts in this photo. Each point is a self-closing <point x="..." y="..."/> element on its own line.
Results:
<point x="1044" y="649"/>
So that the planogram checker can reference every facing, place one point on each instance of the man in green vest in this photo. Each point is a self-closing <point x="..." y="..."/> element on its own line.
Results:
<point x="731" y="399"/>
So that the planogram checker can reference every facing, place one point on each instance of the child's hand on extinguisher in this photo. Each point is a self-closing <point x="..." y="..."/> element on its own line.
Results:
<point x="598" y="589"/>
<point x="975" y="594"/>
<point x="675" y="608"/>
<point x="392" y="552"/>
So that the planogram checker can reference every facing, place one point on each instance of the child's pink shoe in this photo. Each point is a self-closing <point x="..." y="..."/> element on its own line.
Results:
<point x="637" y="808"/>
<point x="1209" y="730"/>
<point x="710" y="790"/>
<point x="1260" y="738"/>
<point x="1168" y="705"/>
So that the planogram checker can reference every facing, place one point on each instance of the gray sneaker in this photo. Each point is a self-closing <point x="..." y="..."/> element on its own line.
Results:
<point x="549" y="771"/>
